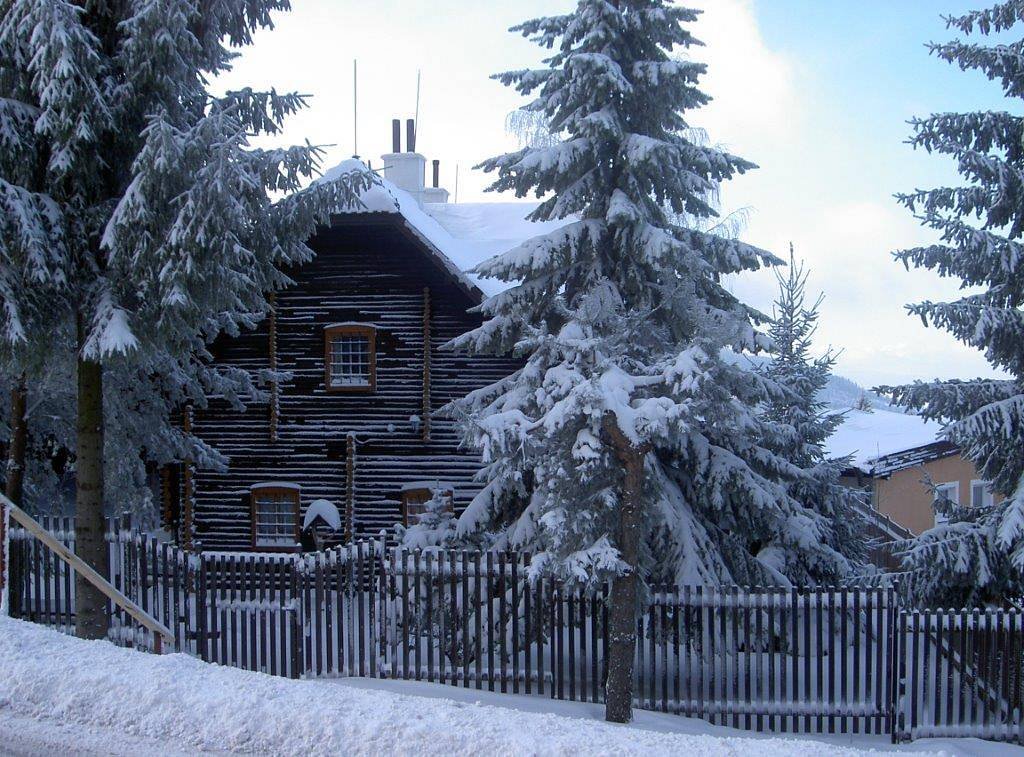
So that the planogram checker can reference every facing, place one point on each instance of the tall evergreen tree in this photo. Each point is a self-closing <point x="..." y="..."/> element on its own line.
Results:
<point x="626" y="446"/>
<point x="804" y="378"/>
<point x="978" y="556"/>
<point x="149" y="214"/>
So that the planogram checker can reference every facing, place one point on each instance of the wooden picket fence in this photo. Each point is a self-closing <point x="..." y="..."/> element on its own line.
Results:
<point x="845" y="660"/>
<point x="962" y="674"/>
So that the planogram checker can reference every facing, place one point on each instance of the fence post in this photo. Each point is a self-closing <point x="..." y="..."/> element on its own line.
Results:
<point x="895" y="661"/>
<point x="297" y="624"/>
<point x="5" y="549"/>
<point x="201" y="634"/>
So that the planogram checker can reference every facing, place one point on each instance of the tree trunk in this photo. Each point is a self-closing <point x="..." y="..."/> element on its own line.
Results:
<point x="19" y="440"/>
<point x="15" y="469"/>
<point x="91" y="621"/>
<point x="625" y="588"/>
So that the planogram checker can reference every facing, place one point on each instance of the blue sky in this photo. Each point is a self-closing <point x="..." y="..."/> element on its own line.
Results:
<point x="816" y="92"/>
<point x="867" y="65"/>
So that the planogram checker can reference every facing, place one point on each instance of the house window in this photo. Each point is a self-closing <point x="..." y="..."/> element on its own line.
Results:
<point x="980" y="494"/>
<point x="949" y="491"/>
<point x="417" y="494"/>
<point x="275" y="515"/>
<point x="350" y="358"/>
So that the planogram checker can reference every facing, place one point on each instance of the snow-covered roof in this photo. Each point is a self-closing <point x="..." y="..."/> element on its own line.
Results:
<point x="460" y="236"/>
<point x="912" y="458"/>
<point x="869" y="436"/>
<point x="324" y="509"/>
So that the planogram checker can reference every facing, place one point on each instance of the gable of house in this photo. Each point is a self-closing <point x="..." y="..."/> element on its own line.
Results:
<point x="385" y="275"/>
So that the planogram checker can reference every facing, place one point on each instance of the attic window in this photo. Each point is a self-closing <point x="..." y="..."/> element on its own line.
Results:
<point x="275" y="515"/>
<point x="350" y="357"/>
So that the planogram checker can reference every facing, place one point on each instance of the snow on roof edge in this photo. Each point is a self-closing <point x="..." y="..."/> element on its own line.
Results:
<point x="385" y="197"/>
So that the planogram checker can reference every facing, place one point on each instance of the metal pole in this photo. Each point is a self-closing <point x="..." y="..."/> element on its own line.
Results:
<point x="355" y="109"/>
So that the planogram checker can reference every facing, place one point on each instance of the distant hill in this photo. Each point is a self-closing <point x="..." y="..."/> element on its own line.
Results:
<point x="840" y="394"/>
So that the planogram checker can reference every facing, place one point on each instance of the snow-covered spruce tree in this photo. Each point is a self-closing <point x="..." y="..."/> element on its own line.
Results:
<point x="151" y="213"/>
<point x="977" y="557"/>
<point x="434" y="527"/>
<point x="626" y="447"/>
<point x="804" y="377"/>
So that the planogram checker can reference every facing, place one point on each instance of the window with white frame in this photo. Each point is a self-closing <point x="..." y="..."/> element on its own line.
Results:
<point x="275" y="516"/>
<point x="981" y="496"/>
<point x="350" y="356"/>
<point x="948" y="491"/>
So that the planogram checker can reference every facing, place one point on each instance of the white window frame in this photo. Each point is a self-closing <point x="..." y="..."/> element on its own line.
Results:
<point x="986" y="494"/>
<point x="954" y="487"/>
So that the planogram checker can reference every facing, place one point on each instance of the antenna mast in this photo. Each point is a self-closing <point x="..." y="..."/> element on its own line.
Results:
<point x="456" y="182"/>
<point x="416" y="119"/>
<point x="355" y="109"/>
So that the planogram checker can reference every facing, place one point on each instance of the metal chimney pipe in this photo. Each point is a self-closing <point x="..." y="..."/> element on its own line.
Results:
<point x="437" y="172"/>
<point x="410" y="135"/>
<point x="396" y="135"/>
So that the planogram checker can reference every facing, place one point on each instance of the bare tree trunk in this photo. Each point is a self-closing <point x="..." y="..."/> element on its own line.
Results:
<point x="91" y="621"/>
<point x="19" y="441"/>
<point x="15" y="468"/>
<point x="625" y="588"/>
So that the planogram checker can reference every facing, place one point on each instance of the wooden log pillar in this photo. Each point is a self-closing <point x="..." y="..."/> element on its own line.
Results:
<point x="350" y="486"/>
<point x="425" y="411"/>
<point x="166" y="498"/>
<point x="272" y="351"/>
<point x="187" y="490"/>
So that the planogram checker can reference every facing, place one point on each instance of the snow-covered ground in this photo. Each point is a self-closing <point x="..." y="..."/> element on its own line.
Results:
<point x="64" y="695"/>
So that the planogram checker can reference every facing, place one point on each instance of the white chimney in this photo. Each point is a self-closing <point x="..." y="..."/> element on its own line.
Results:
<point x="406" y="169"/>
<point x="435" y="193"/>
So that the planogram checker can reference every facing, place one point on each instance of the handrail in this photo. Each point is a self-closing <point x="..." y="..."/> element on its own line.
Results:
<point x="158" y="629"/>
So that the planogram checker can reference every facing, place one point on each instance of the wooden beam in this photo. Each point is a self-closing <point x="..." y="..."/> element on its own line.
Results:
<point x="188" y="487"/>
<point x="272" y="349"/>
<point x="425" y="411"/>
<point x="350" y="485"/>
<point x="159" y="630"/>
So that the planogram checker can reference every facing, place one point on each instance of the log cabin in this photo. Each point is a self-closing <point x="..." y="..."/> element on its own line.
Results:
<point x="360" y="334"/>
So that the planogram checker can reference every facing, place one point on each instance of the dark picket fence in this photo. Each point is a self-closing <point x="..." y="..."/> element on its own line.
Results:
<point x="846" y="660"/>
<point x="962" y="673"/>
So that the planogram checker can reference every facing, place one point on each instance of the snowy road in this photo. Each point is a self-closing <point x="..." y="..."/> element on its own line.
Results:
<point x="62" y="695"/>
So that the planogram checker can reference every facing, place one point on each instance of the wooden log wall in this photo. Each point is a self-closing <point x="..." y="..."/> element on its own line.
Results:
<point x="370" y="272"/>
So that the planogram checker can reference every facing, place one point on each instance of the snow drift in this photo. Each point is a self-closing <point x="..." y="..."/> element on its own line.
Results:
<point x="50" y="677"/>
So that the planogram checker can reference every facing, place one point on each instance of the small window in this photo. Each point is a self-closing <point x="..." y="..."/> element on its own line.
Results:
<point x="350" y="358"/>
<point x="416" y="495"/>
<point x="949" y="491"/>
<point x="275" y="516"/>
<point x="980" y="494"/>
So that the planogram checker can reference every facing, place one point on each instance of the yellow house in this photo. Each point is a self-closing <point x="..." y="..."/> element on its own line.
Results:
<point x="901" y="483"/>
<point x="895" y="458"/>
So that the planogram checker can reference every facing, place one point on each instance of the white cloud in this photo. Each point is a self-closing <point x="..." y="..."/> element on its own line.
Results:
<point x="809" y="190"/>
<point x="755" y="97"/>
